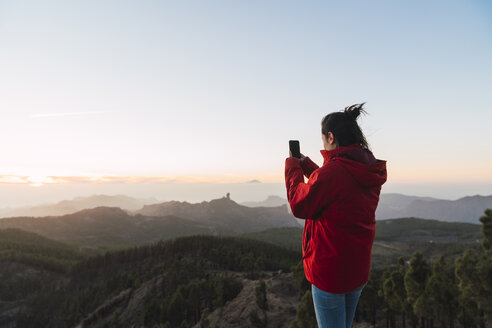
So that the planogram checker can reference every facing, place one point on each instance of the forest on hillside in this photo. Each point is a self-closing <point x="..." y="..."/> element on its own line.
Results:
<point x="186" y="281"/>
<point x="421" y="293"/>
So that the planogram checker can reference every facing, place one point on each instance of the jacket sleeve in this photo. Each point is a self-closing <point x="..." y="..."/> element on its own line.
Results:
<point x="308" y="167"/>
<point x="306" y="200"/>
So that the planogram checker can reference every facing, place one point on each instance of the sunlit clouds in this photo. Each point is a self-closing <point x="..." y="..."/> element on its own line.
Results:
<point x="37" y="181"/>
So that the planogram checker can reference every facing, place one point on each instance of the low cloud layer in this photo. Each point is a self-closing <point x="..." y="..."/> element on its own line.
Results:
<point x="46" y="180"/>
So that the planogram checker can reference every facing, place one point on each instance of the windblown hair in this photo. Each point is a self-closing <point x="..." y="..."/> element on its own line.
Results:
<point x="344" y="126"/>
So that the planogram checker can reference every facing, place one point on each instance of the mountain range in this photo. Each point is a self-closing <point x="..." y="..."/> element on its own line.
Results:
<point x="103" y="228"/>
<point x="392" y="205"/>
<point x="77" y="204"/>
<point x="467" y="209"/>
<point x="225" y="214"/>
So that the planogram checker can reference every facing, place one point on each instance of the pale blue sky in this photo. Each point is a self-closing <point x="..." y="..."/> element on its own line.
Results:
<point x="213" y="90"/>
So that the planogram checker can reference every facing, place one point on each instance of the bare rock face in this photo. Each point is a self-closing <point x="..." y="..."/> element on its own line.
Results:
<point x="282" y="299"/>
<point x="127" y="305"/>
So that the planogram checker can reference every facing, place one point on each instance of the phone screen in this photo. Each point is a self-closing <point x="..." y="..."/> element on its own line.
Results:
<point x="294" y="148"/>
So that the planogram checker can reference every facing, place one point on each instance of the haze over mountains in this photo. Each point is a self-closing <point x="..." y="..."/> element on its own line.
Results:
<point x="467" y="209"/>
<point x="77" y="204"/>
<point x="270" y="201"/>
<point x="110" y="227"/>
<point x="225" y="214"/>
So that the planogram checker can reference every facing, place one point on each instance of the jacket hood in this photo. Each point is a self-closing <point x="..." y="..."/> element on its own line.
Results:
<point x="360" y="163"/>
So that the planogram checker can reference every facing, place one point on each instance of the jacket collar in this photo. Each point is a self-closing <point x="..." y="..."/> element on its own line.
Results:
<point x="329" y="154"/>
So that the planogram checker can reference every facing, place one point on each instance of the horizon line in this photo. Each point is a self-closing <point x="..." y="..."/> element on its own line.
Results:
<point x="40" y="180"/>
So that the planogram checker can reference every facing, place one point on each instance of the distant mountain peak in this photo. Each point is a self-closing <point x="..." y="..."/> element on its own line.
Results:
<point x="223" y="202"/>
<point x="253" y="181"/>
<point x="224" y="213"/>
<point x="101" y="211"/>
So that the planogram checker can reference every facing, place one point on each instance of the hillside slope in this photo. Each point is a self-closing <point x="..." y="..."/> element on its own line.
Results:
<point x="170" y="282"/>
<point x="396" y="237"/>
<point x="107" y="228"/>
<point x="26" y="247"/>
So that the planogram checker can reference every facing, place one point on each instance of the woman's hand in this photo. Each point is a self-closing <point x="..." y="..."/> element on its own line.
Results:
<point x="300" y="159"/>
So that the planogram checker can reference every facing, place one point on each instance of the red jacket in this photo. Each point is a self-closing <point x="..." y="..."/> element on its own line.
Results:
<point x="339" y="204"/>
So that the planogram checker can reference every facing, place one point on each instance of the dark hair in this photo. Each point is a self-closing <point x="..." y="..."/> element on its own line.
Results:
<point x="344" y="126"/>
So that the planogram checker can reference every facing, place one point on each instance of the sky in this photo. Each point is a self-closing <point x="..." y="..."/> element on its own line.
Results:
<point x="120" y="96"/>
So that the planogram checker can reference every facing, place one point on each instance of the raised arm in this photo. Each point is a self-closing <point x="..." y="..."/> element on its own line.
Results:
<point x="306" y="200"/>
<point x="308" y="166"/>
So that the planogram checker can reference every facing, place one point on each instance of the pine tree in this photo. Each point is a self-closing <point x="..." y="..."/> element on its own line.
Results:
<point x="204" y="322"/>
<point x="299" y="276"/>
<point x="484" y="266"/>
<point x="305" y="317"/>
<point x="176" y="307"/>
<point x="443" y="292"/>
<point x="467" y="276"/>
<point x="415" y="282"/>
<point x="152" y="313"/>
<point x="487" y="230"/>
<point x="384" y="305"/>
<point x="261" y="296"/>
<point x="370" y="301"/>
<point x="395" y="295"/>
<point x="195" y="290"/>
<point x="484" y="273"/>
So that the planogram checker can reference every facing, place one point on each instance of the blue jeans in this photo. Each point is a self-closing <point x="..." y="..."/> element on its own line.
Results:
<point x="335" y="310"/>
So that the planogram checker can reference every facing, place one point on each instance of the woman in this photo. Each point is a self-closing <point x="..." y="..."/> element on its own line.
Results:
<point x="338" y="203"/>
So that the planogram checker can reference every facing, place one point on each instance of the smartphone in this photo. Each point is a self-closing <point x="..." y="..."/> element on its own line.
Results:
<point x="294" y="148"/>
